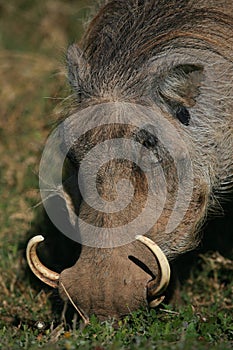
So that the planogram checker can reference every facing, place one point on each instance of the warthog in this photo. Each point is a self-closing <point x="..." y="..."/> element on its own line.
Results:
<point x="155" y="79"/>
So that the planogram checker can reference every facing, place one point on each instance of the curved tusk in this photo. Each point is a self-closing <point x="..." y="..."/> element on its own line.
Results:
<point x="43" y="273"/>
<point x="164" y="266"/>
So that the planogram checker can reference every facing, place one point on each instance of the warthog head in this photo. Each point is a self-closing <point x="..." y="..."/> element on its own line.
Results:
<point x="149" y="145"/>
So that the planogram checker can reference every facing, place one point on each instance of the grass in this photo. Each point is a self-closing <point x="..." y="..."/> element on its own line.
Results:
<point x="33" y="38"/>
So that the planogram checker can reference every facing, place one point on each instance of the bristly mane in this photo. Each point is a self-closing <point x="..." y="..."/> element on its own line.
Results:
<point x="126" y="33"/>
<point x="148" y="28"/>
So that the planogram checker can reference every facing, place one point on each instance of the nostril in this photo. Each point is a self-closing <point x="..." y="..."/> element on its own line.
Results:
<point x="141" y="265"/>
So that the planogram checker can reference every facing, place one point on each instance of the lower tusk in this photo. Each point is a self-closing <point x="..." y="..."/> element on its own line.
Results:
<point x="164" y="268"/>
<point x="42" y="272"/>
<point x="154" y="303"/>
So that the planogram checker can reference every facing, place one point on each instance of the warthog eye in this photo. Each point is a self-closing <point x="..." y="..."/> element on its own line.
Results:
<point x="147" y="139"/>
<point x="150" y="142"/>
<point x="183" y="115"/>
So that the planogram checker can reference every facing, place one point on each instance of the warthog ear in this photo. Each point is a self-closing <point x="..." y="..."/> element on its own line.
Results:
<point x="179" y="88"/>
<point x="181" y="84"/>
<point x="77" y="67"/>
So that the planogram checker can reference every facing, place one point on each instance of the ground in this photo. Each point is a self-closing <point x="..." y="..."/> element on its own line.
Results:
<point x="33" y="38"/>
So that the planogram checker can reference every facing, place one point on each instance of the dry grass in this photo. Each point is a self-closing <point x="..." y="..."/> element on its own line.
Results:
<point x="33" y="40"/>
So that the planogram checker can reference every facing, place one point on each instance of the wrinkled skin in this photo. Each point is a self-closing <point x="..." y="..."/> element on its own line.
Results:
<point x="176" y="58"/>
